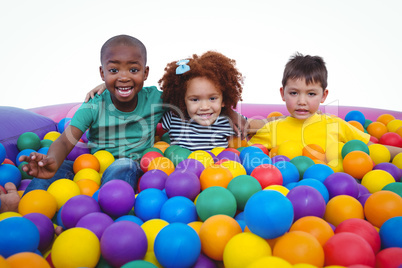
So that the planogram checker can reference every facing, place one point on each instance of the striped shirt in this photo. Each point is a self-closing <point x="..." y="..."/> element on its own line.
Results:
<point x="189" y="134"/>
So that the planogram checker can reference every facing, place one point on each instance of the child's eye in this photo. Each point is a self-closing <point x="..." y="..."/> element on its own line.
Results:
<point x="194" y="99"/>
<point x="213" y="98"/>
<point x="134" y="70"/>
<point x="113" y="70"/>
<point x="312" y="94"/>
<point x="293" y="93"/>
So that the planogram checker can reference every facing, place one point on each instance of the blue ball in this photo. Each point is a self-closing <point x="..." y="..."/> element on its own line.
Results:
<point x="289" y="171"/>
<point x="177" y="245"/>
<point x="179" y="209"/>
<point x="26" y="152"/>
<point x="132" y="218"/>
<point x="248" y="150"/>
<point x="2" y="153"/>
<point x="356" y="116"/>
<point x="62" y="124"/>
<point x="268" y="214"/>
<point x="318" y="185"/>
<point x="149" y="203"/>
<point x="10" y="173"/>
<point x="391" y="233"/>
<point x="318" y="171"/>
<point x="253" y="160"/>
<point x="43" y="150"/>
<point x="58" y="219"/>
<point x="18" y="234"/>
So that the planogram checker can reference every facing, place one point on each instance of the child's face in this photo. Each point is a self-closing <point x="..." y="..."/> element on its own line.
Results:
<point x="302" y="100"/>
<point x="203" y="100"/>
<point x="124" y="72"/>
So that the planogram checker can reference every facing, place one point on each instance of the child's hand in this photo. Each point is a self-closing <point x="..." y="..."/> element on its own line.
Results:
<point x="39" y="165"/>
<point x="10" y="199"/>
<point x="239" y="123"/>
<point x="97" y="90"/>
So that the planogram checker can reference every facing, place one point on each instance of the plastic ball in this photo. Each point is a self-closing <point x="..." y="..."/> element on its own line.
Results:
<point x="381" y="206"/>
<point x="88" y="174"/>
<point x="132" y="218"/>
<point x="182" y="183"/>
<point x="314" y="151"/>
<point x="397" y="160"/>
<point x="395" y="187"/>
<point x="355" y="116"/>
<point x="3" y="153"/>
<point x="45" y="228"/>
<point x="243" y="187"/>
<point x="377" y="129"/>
<point x="277" y="210"/>
<point x="357" y="164"/>
<point x="362" y="228"/>
<point x="272" y="261"/>
<point x="243" y="249"/>
<point x="105" y="159"/>
<point x="215" y="175"/>
<point x="375" y="180"/>
<point x="116" y="198"/>
<point x="237" y="142"/>
<point x="122" y="242"/>
<point x="77" y="207"/>
<point x="204" y="157"/>
<point x="18" y="234"/>
<point x="357" y="125"/>
<point x="152" y="228"/>
<point x="215" y="200"/>
<point x="191" y="165"/>
<point x="385" y="118"/>
<point x="10" y="173"/>
<point x="228" y="155"/>
<point x="389" y="257"/>
<point x="289" y="171"/>
<point x="76" y="247"/>
<point x="39" y="201"/>
<point x="290" y="149"/>
<point x="393" y="125"/>
<point x="63" y="123"/>
<point x="341" y="183"/>
<point x="306" y="201"/>
<point x="28" y="140"/>
<point x="79" y="149"/>
<point x="177" y="245"/>
<point x="153" y="179"/>
<point x="25" y="152"/>
<point x="162" y="145"/>
<point x="162" y="163"/>
<point x="219" y="229"/>
<point x="45" y="143"/>
<point x="87" y="187"/>
<point x="343" y="207"/>
<point x="25" y="259"/>
<point x="86" y="161"/>
<point x="179" y="155"/>
<point x="334" y="151"/>
<point x="379" y="153"/>
<point x="62" y="190"/>
<point x="147" y="158"/>
<point x="391" y="139"/>
<point x="148" y="204"/>
<point x="52" y="135"/>
<point x="267" y="174"/>
<point x="96" y="222"/>
<point x="315" y="226"/>
<point x="318" y="185"/>
<point x="347" y="249"/>
<point x="234" y="167"/>
<point x="354" y="145"/>
<point x="299" y="247"/>
<point x="318" y="171"/>
<point x="179" y="209"/>
<point x="253" y="160"/>
<point x="391" y="169"/>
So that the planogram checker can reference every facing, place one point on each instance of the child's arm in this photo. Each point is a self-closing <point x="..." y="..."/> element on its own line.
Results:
<point x="392" y="149"/>
<point x="256" y="124"/>
<point x="238" y="122"/>
<point x="97" y="90"/>
<point x="45" y="166"/>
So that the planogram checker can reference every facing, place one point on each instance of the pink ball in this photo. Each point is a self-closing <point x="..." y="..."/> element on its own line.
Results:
<point x="389" y="257"/>
<point x="267" y="174"/>
<point x="391" y="138"/>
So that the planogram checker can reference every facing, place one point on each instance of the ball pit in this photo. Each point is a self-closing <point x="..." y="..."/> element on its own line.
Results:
<point x="295" y="173"/>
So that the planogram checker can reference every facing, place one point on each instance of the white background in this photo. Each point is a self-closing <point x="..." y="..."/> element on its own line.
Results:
<point x="49" y="50"/>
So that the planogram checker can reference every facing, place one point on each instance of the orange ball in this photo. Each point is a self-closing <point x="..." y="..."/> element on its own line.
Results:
<point x="377" y="129"/>
<point x="236" y="142"/>
<point x="315" y="226"/>
<point x="385" y="118"/>
<point x="357" y="125"/>
<point x="87" y="187"/>
<point x="162" y="145"/>
<point x="299" y="247"/>
<point x="314" y="151"/>
<point x="215" y="233"/>
<point x="357" y="164"/>
<point x="343" y="207"/>
<point x="162" y="163"/>
<point x="274" y="114"/>
<point x="381" y="206"/>
<point x="399" y="131"/>
<point x="27" y="259"/>
<point x="39" y="201"/>
<point x="86" y="161"/>
<point x="273" y="152"/>
<point x="215" y="175"/>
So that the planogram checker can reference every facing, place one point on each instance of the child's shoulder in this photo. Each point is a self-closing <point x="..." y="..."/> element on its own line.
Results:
<point x="151" y="90"/>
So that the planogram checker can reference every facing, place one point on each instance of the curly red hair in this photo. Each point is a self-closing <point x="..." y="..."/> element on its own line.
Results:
<point x="212" y="65"/>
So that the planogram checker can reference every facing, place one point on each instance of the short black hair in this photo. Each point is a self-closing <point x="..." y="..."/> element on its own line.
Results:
<point x="126" y="40"/>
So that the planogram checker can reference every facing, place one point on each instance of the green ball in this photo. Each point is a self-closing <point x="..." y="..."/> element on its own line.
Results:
<point x="179" y="155"/>
<point x="45" y="143"/>
<point x="367" y="122"/>
<point x="302" y="163"/>
<point x="240" y="149"/>
<point x="24" y="175"/>
<point x="215" y="200"/>
<point x="395" y="187"/>
<point x="165" y="137"/>
<point x="169" y="150"/>
<point x="354" y="145"/>
<point x="28" y="140"/>
<point x="139" y="264"/>
<point x="151" y="149"/>
<point x="243" y="187"/>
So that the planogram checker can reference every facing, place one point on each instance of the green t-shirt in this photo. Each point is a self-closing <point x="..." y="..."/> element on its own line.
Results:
<point x="124" y="134"/>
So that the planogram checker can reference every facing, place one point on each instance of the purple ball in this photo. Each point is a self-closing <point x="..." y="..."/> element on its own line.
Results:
<point x="45" y="228"/>
<point x="192" y="165"/>
<point x="96" y="222"/>
<point x="122" y="242"/>
<point x="24" y="184"/>
<point x="183" y="183"/>
<point x="213" y="156"/>
<point x="341" y="183"/>
<point x="116" y="198"/>
<point x="154" y="178"/>
<point x="306" y="201"/>
<point x="79" y="149"/>
<point x="278" y="158"/>
<point x="204" y="262"/>
<point x="363" y="198"/>
<point x="229" y="156"/>
<point x="362" y="190"/>
<point x="391" y="169"/>
<point x="77" y="207"/>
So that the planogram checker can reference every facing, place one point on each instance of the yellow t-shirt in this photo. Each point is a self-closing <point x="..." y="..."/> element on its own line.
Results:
<point x="319" y="129"/>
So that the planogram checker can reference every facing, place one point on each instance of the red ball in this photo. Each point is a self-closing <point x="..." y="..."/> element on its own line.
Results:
<point x="389" y="257"/>
<point x="347" y="249"/>
<point x="267" y="174"/>
<point x="147" y="158"/>
<point x="374" y="139"/>
<point x="8" y="161"/>
<point x="392" y="139"/>
<point x="233" y="150"/>
<point x="262" y="147"/>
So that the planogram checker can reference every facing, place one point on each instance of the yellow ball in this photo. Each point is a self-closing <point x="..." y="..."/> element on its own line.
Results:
<point x="105" y="158"/>
<point x="217" y="150"/>
<point x="304" y="265"/>
<point x="290" y="149"/>
<point x="151" y="258"/>
<point x="89" y="174"/>
<point x="334" y="151"/>
<point x="244" y="248"/>
<point x="393" y="125"/>
<point x="9" y="214"/>
<point x="162" y="163"/>
<point x="62" y="190"/>
<point x="196" y="225"/>
<point x="397" y="161"/>
<point x="51" y="135"/>
<point x="271" y="261"/>
<point x="282" y="189"/>
<point x="336" y="165"/>
<point x="76" y="247"/>
<point x="204" y="157"/>
<point x="375" y="180"/>
<point x="162" y="145"/>
<point x="151" y="229"/>
<point x="379" y="153"/>
<point x="234" y="167"/>
<point x="39" y="201"/>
